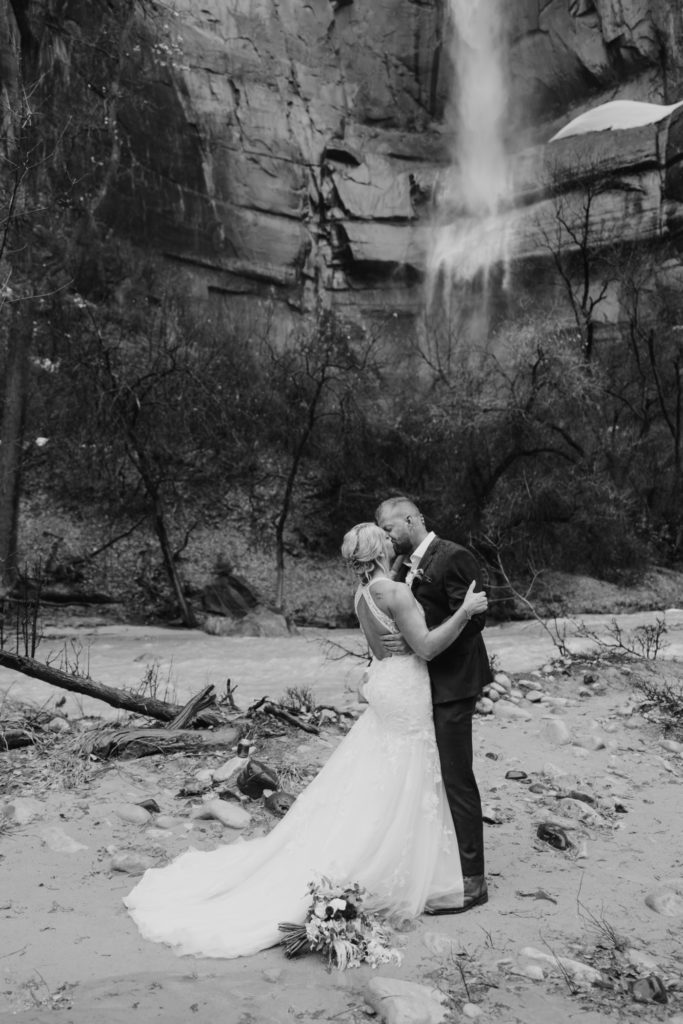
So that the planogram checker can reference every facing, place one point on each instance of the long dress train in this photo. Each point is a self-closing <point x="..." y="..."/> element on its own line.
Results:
<point x="375" y="814"/>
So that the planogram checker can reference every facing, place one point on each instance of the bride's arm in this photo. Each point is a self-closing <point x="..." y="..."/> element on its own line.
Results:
<point x="408" y="616"/>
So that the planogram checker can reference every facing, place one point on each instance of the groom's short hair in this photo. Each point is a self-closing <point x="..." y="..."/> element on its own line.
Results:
<point x="399" y="501"/>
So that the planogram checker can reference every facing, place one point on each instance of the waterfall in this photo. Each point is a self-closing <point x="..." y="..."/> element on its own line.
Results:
<point x="469" y="236"/>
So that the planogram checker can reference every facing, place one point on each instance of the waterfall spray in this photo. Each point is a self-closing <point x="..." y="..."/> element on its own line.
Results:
<point x="470" y="235"/>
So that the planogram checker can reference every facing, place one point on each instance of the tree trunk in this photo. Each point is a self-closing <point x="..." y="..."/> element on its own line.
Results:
<point x="11" y="442"/>
<point x="141" y="463"/>
<point x="187" y="615"/>
<point x="149" y="706"/>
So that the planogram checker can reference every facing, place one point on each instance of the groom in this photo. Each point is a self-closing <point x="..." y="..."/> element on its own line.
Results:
<point x="439" y="573"/>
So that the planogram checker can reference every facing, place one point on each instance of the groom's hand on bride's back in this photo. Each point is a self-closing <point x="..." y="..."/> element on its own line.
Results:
<point x="394" y="643"/>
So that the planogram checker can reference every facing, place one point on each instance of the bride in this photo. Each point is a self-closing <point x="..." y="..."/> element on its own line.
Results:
<point x="375" y="814"/>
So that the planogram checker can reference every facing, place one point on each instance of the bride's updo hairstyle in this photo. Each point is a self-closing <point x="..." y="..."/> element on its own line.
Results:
<point x="363" y="548"/>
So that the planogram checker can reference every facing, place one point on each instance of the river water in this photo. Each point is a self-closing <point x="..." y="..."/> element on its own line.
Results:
<point x="183" y="661"/>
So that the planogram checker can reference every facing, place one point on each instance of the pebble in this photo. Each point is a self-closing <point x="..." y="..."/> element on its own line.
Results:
<point x="166" y="821"/>
<point x="227" y="812"/>
<point x="131" y="863"/>
<point x="405" y="1002"/>
<point x="485" y="706"/>
<point x="502" y="679"/>
<point x="590" y="742"/>
<point x="534" y="696"/>
<point x="471" y="1011"/>
<point x="492" y="815"/>
<point x="204" y="775"/>
<point x="672" y="745"/>
<point x="58" y="725"/>
<point x="556" y="731"/>
<point x="580" y="972"/>
<point x="534" y="971"/>
<point x="228" y="769"/>
<point x="133" y="813"/>
<point x="667" y="902"/>
<point x="504" y="709"/>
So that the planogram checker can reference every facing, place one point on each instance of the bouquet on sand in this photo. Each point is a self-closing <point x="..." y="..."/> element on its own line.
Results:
<point x="338" y="927"/>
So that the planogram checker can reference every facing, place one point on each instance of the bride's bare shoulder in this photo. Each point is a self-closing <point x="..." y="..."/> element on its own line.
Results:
<point x="384" y="590"/>
<point x="391" y="594"/>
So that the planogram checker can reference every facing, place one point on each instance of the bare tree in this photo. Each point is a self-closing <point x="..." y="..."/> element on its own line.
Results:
<point x="315" y="391"/>
<point x="583" y="243"/>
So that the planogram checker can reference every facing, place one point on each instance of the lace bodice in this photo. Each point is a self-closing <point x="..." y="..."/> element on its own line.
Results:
<point x="397" y="689"/>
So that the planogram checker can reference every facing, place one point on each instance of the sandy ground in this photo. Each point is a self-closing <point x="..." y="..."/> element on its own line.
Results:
<point x="67" y="944"/>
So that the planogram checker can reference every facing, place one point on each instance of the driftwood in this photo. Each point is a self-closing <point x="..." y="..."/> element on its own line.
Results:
<point x="204" y="699"/>
<point x="130" y="743"/>
<point x="149" y="706"/>
<point x="278" y="711"/>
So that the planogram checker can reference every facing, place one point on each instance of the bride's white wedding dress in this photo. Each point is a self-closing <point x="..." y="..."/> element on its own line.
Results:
<point x="375" y="814"/>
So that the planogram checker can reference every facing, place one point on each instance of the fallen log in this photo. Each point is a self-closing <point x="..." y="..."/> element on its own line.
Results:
<point x="133" y="743"/>
<point x="139" y="705"/>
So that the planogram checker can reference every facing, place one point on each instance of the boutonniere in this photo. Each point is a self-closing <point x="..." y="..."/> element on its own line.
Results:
<point x="421" y="577"/>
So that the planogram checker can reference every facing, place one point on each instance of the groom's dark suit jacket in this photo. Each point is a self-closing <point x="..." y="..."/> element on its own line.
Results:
<point x="444" y="575"/>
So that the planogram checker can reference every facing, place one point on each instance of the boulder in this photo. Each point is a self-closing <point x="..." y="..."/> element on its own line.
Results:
<point x="405" y="1002"/>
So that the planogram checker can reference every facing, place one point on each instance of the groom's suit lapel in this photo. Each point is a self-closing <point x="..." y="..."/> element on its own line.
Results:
<point x="425" y="562"/>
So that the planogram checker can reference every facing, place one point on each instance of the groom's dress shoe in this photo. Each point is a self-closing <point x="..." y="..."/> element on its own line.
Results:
<point x="475" y="893"/>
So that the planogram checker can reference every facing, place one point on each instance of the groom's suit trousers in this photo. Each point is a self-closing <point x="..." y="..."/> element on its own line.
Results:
<point x="453" y="729"/>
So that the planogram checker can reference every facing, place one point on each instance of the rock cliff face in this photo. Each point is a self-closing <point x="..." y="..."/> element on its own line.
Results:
<point x="283" y="150"/>
<point x="286" y="151"/>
